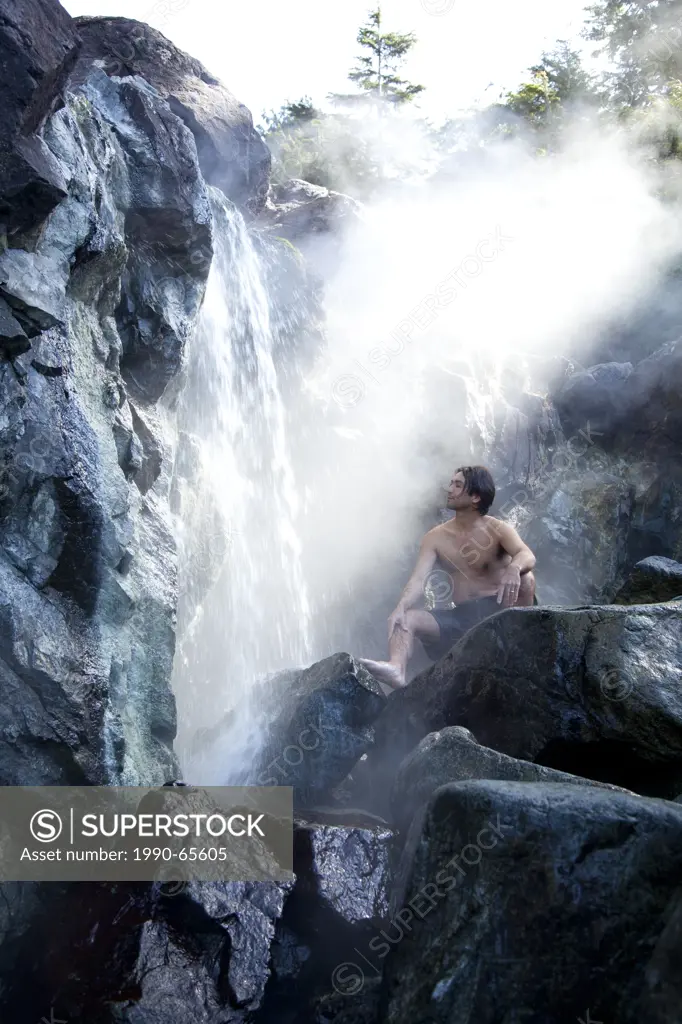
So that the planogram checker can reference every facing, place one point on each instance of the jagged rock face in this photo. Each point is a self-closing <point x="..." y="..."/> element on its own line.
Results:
<point x="529" y="895"/>
<point x="453" y="755"/>
<point x="232" y="155"/>
<point x="38" y="48"/>
<point x="594" y="692"/>
<point x="87" y="554"/>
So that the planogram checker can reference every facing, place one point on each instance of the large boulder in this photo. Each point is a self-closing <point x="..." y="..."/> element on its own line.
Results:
<point x="453" y="755"/>
<point x="591" y="691"/>
<point x="651" y="581"/>
<point x="308" y="728"/>
<point x="204" y="955"/>
<point x="340" y="900"/>
<point x="143" y="953"/>
<point x="321" y="722"/>
<point x="530" y="901"/>
<point x="232" y="155"/>
<point x="348" y="868"/>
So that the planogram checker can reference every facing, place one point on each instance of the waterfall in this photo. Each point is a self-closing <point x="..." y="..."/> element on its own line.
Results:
<point x="244" y="610"/>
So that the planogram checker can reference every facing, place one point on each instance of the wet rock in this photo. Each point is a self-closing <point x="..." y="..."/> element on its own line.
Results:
<point x="651" y="581"/>
<point x="526" y="896"/>
<point x="167" y="220"/>
<point x="232" y="155"/>
<point x="633" y="408"/>
<point x="143" y="952"/>
<point x="339" y="902"/>
<point x="205" y="953"/>
<point x="66" y="965"/>
<point x="319" y="724"/>
<point x="38" y="48"/>
<point x="650" y="413"/>
<point x="453" y="755"/>
<point x="347" y="868"/>
<point x="595" y="691"/>
<point x="591" y="691"/>
<point x="87" y="560"/>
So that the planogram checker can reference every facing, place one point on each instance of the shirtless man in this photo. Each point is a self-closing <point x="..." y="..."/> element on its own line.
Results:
<point x="487" y="568"/>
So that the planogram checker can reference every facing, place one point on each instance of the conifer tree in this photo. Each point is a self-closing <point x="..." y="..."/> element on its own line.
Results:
<point x="376" y="68"/>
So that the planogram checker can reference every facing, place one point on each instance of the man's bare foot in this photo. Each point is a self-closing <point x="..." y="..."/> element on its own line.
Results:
<point x="385" y="672"/>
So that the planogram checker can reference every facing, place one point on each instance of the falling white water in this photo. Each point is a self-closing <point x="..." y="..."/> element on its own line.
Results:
<point x="244" y="608"/>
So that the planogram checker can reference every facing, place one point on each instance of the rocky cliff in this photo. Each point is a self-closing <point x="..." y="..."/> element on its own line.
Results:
<point x="105" y="248"/>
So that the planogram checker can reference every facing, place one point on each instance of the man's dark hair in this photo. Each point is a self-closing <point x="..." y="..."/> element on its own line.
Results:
<point x="478" y="481"/>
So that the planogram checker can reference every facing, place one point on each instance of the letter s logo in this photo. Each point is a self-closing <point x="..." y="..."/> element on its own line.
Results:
<point x="46" y="826"/>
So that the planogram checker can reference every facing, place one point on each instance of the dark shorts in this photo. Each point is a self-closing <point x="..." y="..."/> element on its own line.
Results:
<point x="455" y="622"/>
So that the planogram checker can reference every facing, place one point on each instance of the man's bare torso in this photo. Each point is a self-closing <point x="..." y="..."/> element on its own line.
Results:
<point x="473" y="558"/>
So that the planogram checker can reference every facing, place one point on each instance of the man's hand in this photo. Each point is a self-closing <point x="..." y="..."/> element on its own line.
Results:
<point x="510" y="584"/>
<point x="396" y="619"/>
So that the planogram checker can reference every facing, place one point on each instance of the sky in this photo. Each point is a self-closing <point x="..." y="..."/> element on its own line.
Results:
<point x="269" y="52"/>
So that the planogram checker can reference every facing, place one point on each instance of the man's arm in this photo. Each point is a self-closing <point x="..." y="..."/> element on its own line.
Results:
<point x="523" y="560"/>
<point x="415" y="585"/>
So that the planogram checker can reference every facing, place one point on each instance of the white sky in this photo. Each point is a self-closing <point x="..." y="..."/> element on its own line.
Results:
<point x="270" y="51"/>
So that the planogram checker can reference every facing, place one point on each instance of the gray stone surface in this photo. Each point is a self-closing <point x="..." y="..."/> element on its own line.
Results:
<point x="232" y="155"/>
<point x="221" y="979"/>
<point x="592" y="691"/>
<point x="530" y="899"/>
<point x="319" y="722"/>
<point x="34" y="285"/>
<point x="594" y="395"/>
<point x="349" y="868"/>
<point x="651" y="581"/>
<point x="38" y="48"/>
<point x="88" y="561"/>
<point x="297" y="209"/>
<point x="453" y="755"/>
<point x="13" y="340"/>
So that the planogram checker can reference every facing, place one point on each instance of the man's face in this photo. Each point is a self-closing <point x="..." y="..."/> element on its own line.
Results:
<point x="458" y="498"/>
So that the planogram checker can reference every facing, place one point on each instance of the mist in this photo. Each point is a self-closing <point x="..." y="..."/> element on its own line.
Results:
<point x="450" y="296"/>
<point x="446" y="300"/>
